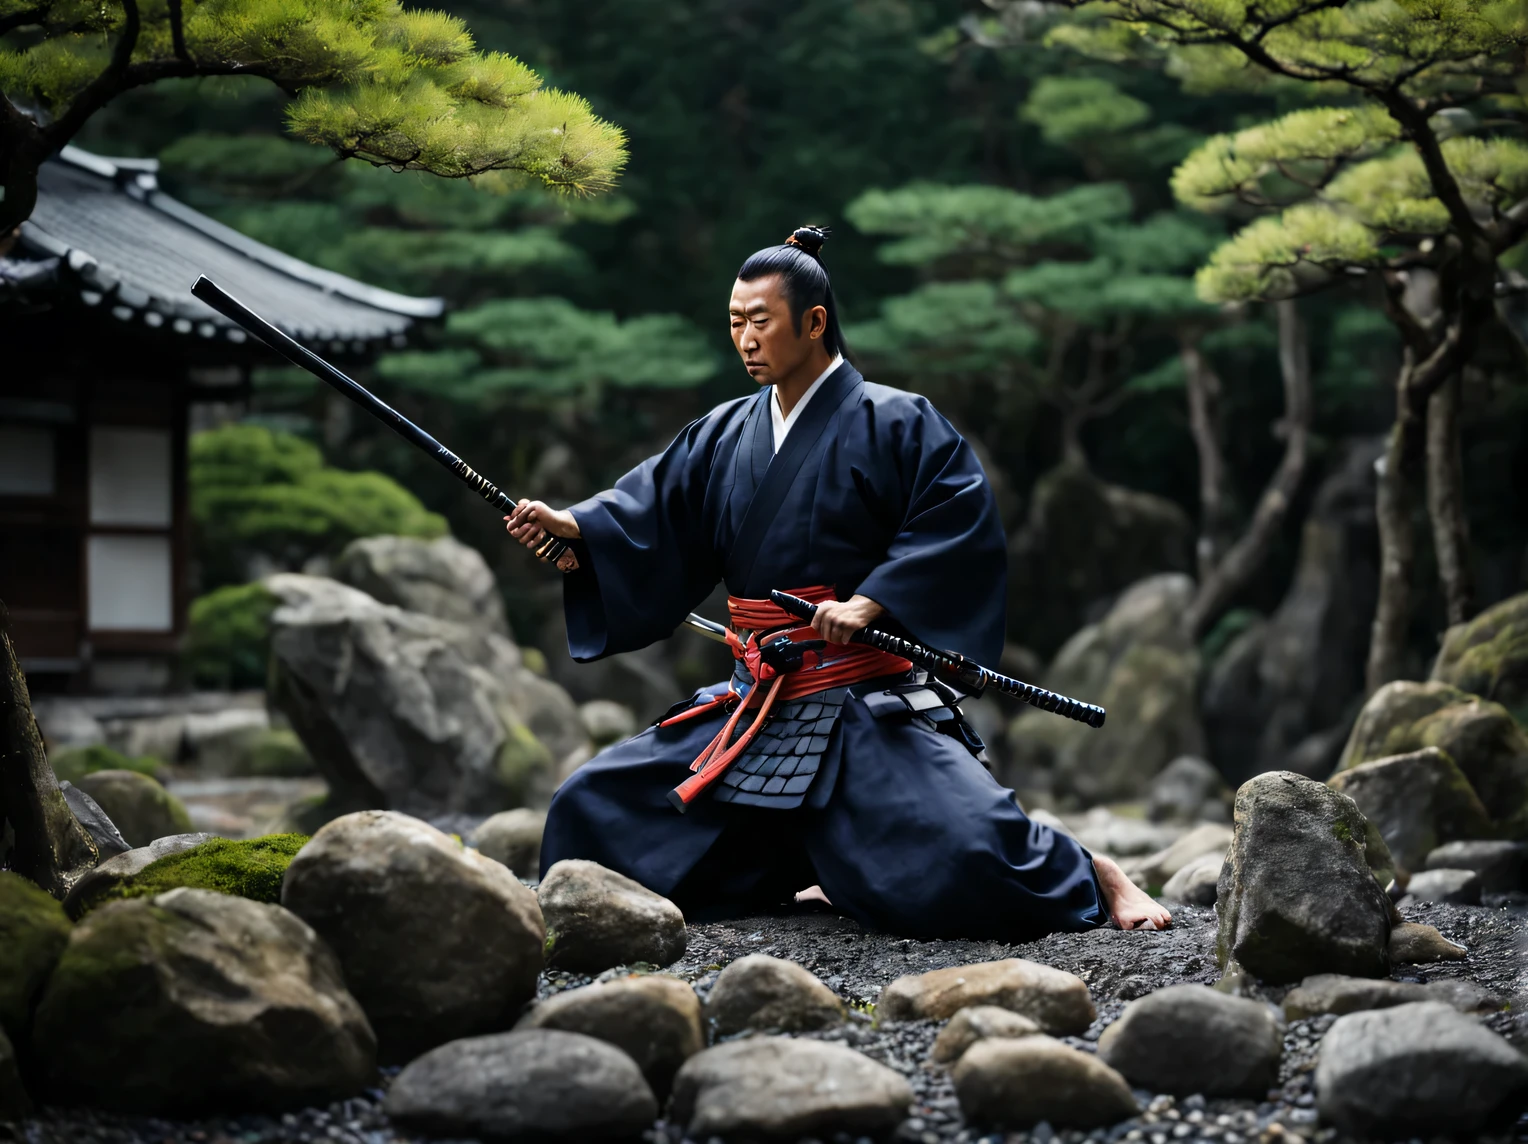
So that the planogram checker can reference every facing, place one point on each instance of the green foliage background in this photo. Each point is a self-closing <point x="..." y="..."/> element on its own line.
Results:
<point x="987" y="191"/>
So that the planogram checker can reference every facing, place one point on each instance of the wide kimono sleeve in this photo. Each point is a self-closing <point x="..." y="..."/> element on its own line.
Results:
<point x="646" y="557"/>
<point x="945" y="574"/>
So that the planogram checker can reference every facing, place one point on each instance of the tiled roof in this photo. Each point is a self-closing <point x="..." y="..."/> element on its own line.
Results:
<point x="127" y="247"/>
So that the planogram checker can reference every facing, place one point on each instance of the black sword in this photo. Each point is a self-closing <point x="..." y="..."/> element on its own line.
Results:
<point x="951" y="667"/>
<point x="241" y="315"/>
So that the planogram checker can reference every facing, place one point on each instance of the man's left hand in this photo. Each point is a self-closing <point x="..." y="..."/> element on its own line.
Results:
<point x="839" y="620"/>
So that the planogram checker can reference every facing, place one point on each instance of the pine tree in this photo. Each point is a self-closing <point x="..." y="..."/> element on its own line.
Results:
<point x="393" y="87"/>
<point x="1412" y="175"/>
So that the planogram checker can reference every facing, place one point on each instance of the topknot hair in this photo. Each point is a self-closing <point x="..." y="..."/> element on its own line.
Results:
<point x="810" y="238"/>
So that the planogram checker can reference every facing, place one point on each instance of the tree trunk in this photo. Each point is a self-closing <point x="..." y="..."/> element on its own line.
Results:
<point x="1246" y="556"/>
<point x="1400" y="468"/>
<point x="1203" y="385"/>
<point x="20" y="156"/>
<point x="51" y="847"/>
<point x="1445" y="500"/>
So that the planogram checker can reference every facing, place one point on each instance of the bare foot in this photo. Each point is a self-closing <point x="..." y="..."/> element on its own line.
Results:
<point x="813" y="894"/>
<point x="1131" y="907"/>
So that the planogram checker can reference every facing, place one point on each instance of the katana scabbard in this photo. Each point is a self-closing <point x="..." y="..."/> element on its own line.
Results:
<point x="955" y="669"/>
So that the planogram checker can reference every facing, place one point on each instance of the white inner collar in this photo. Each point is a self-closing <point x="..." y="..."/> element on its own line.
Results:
<point x="779" y="422"/>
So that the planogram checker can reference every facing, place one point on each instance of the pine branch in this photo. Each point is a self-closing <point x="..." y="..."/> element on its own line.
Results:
<point x="105" y="86"/>
<point x="21" y="19"/>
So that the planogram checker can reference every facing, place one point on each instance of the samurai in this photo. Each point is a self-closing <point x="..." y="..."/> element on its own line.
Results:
<point x="833" y="772"/>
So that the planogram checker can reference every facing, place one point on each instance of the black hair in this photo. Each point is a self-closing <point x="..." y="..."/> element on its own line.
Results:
<point x="798" y="261"/>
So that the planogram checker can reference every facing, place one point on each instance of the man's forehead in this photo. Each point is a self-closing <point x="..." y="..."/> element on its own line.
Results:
<point x="759" y="294"/>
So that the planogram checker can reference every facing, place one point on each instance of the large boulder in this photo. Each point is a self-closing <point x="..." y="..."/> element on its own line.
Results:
<point x="437" y="942"/>
<point x="33" y="933"/>
<point x="1297" y="895"/>
<point x="1188" y="1038"/>
<point x="1140" y="665"/>
<point x="653" y="1019"/>
<point x="513" y="837"/>
<point x="597" y="919"/>
<point x="1282" y="693"/>
<point x="1490" y="747"/>
<point x="1488" y="656"/>
<point x="442" y="578"/>
<point x="1417" y="1071"/>
<point x="1417" y="801"/>
<point x="770" y="994"/>
<point x="194" y="1002"/>
<point x="1016" y="1083"/>
<point x="1054" y="999"/>
<point x="1084" y="541"/>
<point x="411" y="712"/>
<point x="138" y="806"/>
<point x="780" y="1087"/>
<point x="539" y="1084"/>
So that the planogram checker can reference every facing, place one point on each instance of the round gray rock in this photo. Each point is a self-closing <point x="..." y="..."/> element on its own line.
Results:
<point x="513" y="837"/>
<point x="770" y="994"/>
<point x="781" y="1087"/>
<point x="597" y="919"/>
<point x="1417" y="1071"/>
<point x="1334" y="993"/>
<point x="437" y="942"/>
<point x="1197" y="882"/>
<point x="1055" y="1000"/>
<point x="655" y="1020"/>
<point x="120" y="867"/>
<point x="1456" y="887"/>
<point x="1499" y="864"/>
<point x="977" y="1023"/>
<point x="192" y="1002"/>
<point x="1189" y="1038"/>
<point x="540" y="1084"/>
<point x="140" y="808"/>
<point x="1015" y="1083"/>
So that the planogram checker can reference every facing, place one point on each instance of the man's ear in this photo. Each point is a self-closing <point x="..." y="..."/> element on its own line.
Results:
<point x="816" y="323"/>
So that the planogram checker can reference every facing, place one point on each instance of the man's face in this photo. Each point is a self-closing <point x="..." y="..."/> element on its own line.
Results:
<point x="766" y="339"/>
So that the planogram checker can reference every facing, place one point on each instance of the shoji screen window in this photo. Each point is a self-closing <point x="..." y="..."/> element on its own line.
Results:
<point x="130" y="554"/>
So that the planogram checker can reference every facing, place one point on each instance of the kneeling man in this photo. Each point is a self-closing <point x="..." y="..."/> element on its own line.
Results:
<point x="835" y="766"/>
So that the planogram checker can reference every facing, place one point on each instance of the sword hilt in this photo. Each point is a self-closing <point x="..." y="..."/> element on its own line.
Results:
<point x="956" y="668"/>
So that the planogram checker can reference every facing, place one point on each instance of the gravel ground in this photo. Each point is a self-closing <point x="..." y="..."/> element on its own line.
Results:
<point x="857" y="964"/>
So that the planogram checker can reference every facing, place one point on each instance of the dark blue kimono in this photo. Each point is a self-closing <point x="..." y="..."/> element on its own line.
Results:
<point x="872" y="492"/>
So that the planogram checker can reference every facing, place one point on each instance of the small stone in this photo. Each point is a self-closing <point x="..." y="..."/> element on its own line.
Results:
<point x="1417" y="1071"/>
<point x="1196" y="883"/>
<point x="139" y="807"/>
<point x="1188" y="788"/>
<point x="1414" y="943"/>
<point x="784" y="1087"/>
<point x="597" y="919"/>
<point x="33" y="933"/>
<point x="1016" y="1083"/>
<point x="1456" y="887"/>
<point x="539" y="1084"/>
<point x="196" y="1002"/>
<point x="513" y="837"/>
<point x="977" y="1023"/>
<point x="1189" y="1038"/>
<point x="13" y="1097"/>
<point x="437" y="941"/>
<point x="607" y="721"/>
<point x="1499" y="864"/>
<point x="1339" y="994"/>
<point x="1057" y="1001"/>
<point x="1158" y="869"/>
<point x="653" y="1019"/>
<point x="769" y="994"/>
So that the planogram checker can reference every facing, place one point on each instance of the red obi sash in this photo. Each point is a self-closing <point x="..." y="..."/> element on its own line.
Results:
<point x="811" y="670"/>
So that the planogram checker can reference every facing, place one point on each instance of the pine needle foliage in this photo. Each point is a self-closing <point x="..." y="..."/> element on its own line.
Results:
<point x="369" y="79"/>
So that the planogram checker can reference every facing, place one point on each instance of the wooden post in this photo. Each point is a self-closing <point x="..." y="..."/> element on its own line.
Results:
<point x="51" y="847"/>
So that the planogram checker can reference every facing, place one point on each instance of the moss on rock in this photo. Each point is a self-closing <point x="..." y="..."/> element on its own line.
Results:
<point x="33" y="933"/>
<point x="1489" y="655"/>
<point x="252" y="868"/>
<point x="71" y="764"/>
<point x="524" y="760"/>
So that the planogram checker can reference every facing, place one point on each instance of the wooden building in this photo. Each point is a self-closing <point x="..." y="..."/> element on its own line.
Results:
<point x="103" y="350"/>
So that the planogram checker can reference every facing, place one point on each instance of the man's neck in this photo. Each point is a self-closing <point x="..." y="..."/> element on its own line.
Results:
<point x="791" y="389"/>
